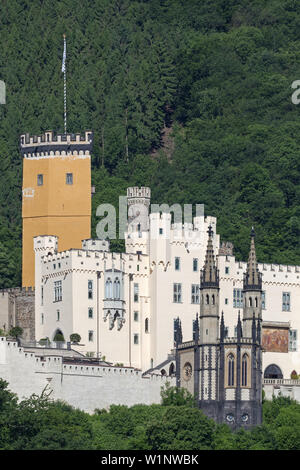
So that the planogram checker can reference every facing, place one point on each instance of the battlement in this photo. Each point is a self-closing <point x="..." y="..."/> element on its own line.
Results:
<point x="136" y="192"/>
<point x="49" y="144"/>
<point x="27" y="291"/>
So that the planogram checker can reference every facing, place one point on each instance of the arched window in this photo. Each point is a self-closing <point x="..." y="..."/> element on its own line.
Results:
<point x="147" y="325"/>
<point x="163" y="372"/>
<point x="250" y="301"/>
<point x="172" y="369"/>
<point x="213" y="299"/>
<point x="273" y="372"/>
<point x="117" y="289"/>
<point x="256" y="302"/>
<point x="207" y="299"/>
<point x="108" y="289"/>
<point x="245" y="370"/>
<point x="230" y="364"/>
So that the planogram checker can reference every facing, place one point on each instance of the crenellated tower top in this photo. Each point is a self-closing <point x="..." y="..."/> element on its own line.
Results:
<point x="50" y="144"/>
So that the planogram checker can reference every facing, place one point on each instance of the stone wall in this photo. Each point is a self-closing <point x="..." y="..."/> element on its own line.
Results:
<point x="83" y="386"/>
<point x="17" y="307"/>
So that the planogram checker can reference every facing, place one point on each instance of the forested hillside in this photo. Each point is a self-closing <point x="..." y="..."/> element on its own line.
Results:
<point x="213" y="75"/>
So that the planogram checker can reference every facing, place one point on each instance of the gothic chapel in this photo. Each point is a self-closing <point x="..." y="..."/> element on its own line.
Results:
<point x="225" y="374"/>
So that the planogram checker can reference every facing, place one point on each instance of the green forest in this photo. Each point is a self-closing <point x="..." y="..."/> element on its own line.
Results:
<point x="189" y="97"/>
<point x="39" y="423"/>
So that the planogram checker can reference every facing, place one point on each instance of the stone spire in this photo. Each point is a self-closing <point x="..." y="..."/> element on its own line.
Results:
<point x="252" y="277"/>
<point x="209" y="274"/>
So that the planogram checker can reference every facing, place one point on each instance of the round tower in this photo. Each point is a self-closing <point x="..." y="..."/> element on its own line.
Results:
<point x="138" y="202"/>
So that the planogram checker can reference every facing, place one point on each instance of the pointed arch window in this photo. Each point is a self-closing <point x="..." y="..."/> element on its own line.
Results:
<point x="250" y="301"/>
<point x="230" y="364"/>
<point x="207" y="299"/>
<point x="213" y="299"/>
<point x="117" y="289"/>
<point x="108" y="289"/>
<point x="245" y="370"/>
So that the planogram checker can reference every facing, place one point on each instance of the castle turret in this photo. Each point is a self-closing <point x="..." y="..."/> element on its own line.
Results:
<point x="252" y="288"/>
<point x="56" y="192"/>
<point x="209" y="289"/>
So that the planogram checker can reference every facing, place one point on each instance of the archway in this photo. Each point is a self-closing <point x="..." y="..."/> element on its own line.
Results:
<point x="273" y="372"/>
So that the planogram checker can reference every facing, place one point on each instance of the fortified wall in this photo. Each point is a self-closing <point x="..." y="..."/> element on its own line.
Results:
<point x="83" y="386"/>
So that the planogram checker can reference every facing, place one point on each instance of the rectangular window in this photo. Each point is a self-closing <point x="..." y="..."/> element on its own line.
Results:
<point x="177" y="263"/>
<point x="263" y="300"/>
<point x="90" y="312"/>
<point x="195" y="264"/>
<point x="161" y="231"/>
<point x="90" y="289"/>
<point x="57" y="291"/>
<point x="42" y="318"/>
<point x="292" y="340"/>
<point x="237" y="298"/>
<point x="91" y="336"/>
<point x="177" y="293"/>
<point x="136" y="292"/>
<point x="69" y="178"/>
<point x="40" y="180"/>
<point x="226" y="301"/>
<point x="136" y="316"/>
<point x="57" y="315"/>
<point x="136" y="339"/>
<point x="195" y="294"/>
<point x="227" y="270"/>
<point x="286" y="301"/>
<point x="42" y="295"/>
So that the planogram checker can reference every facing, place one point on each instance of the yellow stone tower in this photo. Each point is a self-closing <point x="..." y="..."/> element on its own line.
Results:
<point x="56" y="192"/>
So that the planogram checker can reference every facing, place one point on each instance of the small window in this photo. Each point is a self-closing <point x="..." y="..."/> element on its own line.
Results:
<point x="136" y="292"/>
<point x="195" y="294"/>
<point x="91" y="336"/>
<point x="136" y="339"/>
<point x="57" y="315"/>
<point x="226" y="301"/>
<point x="136" y="316"/>
<point x="226" y="270"/>
<point x="40" y="180"/>
<point x="69" y="178"/>
<point x="286" y="301"/>
<point x="292" y="340"/>
<point x="42" y="295"/>
<point x="90" y="289"/>
<point x="177" y="298"/>
<point x="177" y="264"/>
<point x="90" y="312"/>
<point x="195" y="264"/>
<point x="263" y="300"/>
<point x="238" y="298"/>
<point x="42" y="318"/>
<point x="161" y="231"/>
<point x="147" y="325"/>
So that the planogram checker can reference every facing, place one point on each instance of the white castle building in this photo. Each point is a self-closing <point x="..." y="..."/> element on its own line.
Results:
<point x="123" y="305"/>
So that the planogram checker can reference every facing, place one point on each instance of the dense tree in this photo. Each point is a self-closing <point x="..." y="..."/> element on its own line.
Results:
<point x="214" y="77"/>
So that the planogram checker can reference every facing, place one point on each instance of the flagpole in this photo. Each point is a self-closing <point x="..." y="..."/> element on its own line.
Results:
<point x="64" y="70"/>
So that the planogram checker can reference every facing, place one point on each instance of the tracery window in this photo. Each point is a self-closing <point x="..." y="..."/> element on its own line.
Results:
<point x="230" y="365"/>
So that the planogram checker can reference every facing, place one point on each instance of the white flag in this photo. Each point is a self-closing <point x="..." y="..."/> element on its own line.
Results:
<point x="63" y="67"/>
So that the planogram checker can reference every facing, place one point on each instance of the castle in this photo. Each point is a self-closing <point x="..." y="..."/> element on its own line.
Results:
<point x="123" y="305"/>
